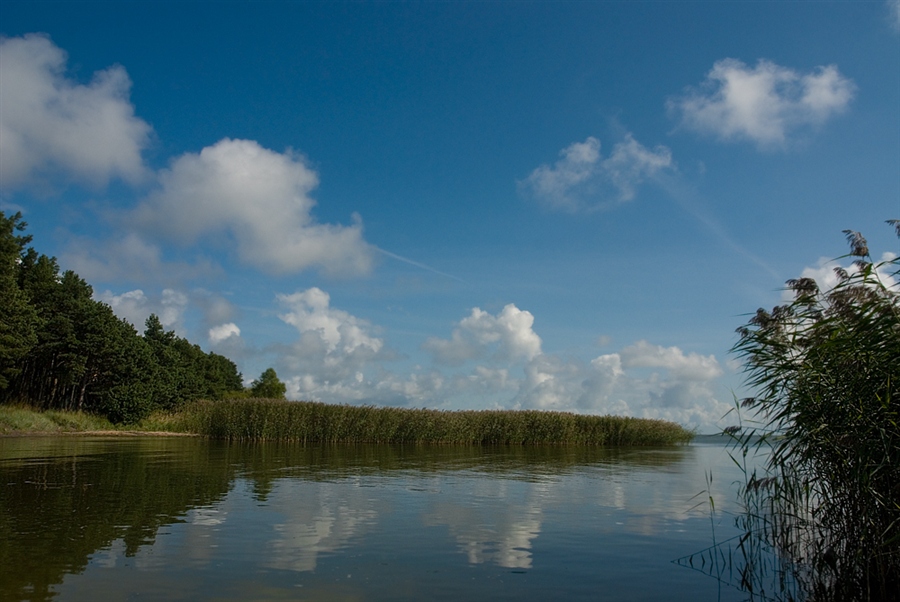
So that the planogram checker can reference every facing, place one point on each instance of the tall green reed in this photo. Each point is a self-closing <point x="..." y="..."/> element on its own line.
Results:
<point x="826" y="368"/>
<point x="309" y="422"/>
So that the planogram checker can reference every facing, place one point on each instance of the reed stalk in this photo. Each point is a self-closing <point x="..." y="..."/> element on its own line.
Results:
<point x="313" y="422"/>
<point x="826" y="506"/>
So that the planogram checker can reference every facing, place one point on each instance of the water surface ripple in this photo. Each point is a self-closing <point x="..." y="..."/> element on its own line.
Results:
<point x="88" y="518"/>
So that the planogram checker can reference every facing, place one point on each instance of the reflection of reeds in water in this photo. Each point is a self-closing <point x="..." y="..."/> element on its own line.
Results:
<point x="750" y="562"/>
<point x="265" y="419"/>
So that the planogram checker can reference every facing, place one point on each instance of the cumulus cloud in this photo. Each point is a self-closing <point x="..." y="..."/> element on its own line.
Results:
<point x="49" y="123"/>
<point x="692" y="367"/>
<point x="490" y="361"/>
<point x="826" y="278"/>
<point x="310" y="313"/>
<point x="223" y="332"/>
<point x="681" y="389"/>
<point x="552" y="383"/>
<point x="130" y="258"/>
<point x="258" y="198"/>
<point x="416" y="389"/>
<point x="763" y="104"/>
<point x="582" y="180"/>
<point x="512" y="371"/>
<point x="135" y="306"/>
<point x="510" y="332"/>
<point x="335" y="350"/>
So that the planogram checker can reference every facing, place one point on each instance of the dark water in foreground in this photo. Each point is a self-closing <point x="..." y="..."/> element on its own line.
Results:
<point x="190" y="519"/>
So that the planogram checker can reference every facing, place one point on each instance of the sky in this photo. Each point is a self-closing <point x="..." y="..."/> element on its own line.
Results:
<point x="564" y="206"/>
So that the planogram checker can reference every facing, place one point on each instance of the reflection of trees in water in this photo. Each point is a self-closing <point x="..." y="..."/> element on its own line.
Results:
<point x="75" y="496"/>
<point x="66" y="498"/>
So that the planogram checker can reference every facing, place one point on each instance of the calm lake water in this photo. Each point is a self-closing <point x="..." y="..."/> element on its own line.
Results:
<point x="189" y="519"/>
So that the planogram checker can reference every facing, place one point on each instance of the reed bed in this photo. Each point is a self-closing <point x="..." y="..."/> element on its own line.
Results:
<point x="313" y="422"/>
<point x="826" y="505"/>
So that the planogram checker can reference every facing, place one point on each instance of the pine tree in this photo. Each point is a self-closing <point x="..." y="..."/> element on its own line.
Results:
<point x="18" y="318"/>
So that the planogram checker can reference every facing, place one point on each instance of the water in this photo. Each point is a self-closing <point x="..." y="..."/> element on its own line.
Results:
<point x="188" y="519"/>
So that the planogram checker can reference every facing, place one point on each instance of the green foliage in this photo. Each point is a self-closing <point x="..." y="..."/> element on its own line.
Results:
<point x="267" y="386"/>
<point x="61" y="349"/>
<point x="18" y="318"/>
<point x="826" y="369"/>
<point x="184" y="372"/>
<point x="85" y="494"/>
<point x="310" y="422"/>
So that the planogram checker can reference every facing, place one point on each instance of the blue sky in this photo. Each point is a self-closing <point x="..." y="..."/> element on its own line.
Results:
<point x="566" y="206"/>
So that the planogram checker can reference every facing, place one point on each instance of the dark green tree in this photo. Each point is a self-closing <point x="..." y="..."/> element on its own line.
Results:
<point x="186" y="372"/>
<point x="221" y="376"/>
<point x="268" y="386"/>
<point x="62" y="349"/>
<point x="17" y="317"/>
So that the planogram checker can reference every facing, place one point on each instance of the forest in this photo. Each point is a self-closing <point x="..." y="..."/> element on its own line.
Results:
<point x="62" y="349"/>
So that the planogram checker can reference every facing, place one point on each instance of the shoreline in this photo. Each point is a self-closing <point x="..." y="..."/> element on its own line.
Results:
<point x="281" y="420"/>
<point x="97" y="433"/>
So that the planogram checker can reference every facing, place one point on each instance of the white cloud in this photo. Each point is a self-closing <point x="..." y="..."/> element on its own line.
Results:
<point x="136" y="307"/>
<point x="631" y="162"/>
<point x="552" y="383"/>
<point x="512" y="371"/>
<point x="130" y="258"/>
<point x="339" y="332"/>
<point x="764" y="104"/>
<point x="415" y="390"/>
<point x="510" y="332"/>
<point x="260" y="199"/>
<point x="131" y="306"/>
<point x="826" y="278"/>
<point x="172" y="307"/>
<point x="691" y="367"/>
<point x="222" y="332"/>
<point x="893" y="7"/>
<point x="499" y="361"/>
<point x="582" y="180"/>
<point x="453" y="352"/>
<point x="614" y="383"/>
<point x="335" y="352"/>
<point x="50" y="123"/>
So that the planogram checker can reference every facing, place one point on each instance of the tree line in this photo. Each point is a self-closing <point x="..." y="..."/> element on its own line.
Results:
<point x="62" y="349"/>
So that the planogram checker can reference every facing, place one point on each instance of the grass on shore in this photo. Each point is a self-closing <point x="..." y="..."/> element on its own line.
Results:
<point x="16" y="419"/>
<point x="312" y="422"/>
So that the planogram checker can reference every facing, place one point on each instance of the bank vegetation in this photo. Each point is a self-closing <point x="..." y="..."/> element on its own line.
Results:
<point x="252" y="420"/>
<point x="826" y="371"/>
<point x="309" y="422"/>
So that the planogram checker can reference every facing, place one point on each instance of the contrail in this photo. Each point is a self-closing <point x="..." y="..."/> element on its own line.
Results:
<point x="686" y="198"/>
<point x="417" y="264"/>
